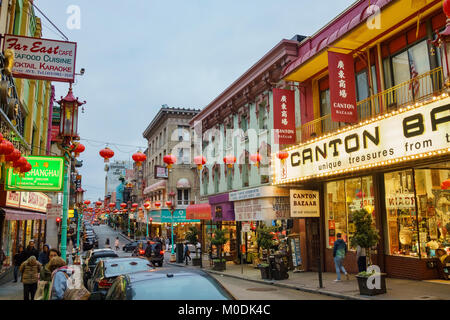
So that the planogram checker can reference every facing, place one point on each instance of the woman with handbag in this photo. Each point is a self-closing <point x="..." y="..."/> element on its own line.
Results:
<point x="60" y="274"/>
<point x="45" y="277"/>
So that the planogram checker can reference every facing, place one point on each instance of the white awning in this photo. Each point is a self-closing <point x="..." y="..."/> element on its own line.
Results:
<point x="183" y="183"/>
<point x="156" y="186"/>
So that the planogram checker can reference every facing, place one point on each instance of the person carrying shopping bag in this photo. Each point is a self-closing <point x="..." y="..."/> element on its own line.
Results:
<point x="30" y="277"/>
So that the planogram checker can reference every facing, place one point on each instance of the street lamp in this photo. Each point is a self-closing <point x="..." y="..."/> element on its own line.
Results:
<point x="170" y="205"/>
<point x="68" y="132"/>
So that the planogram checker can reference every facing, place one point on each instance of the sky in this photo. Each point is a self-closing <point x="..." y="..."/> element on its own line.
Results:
<point x="141" y="54"/>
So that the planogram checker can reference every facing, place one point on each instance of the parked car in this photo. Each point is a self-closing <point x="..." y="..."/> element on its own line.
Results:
<point x="90" y="242"/>
<point x="171" y="283"/>
<point x="96" y="223"/>
<point x="108" y="270"/>
<point x="130" y="246"/>
<point x="93" y="260"/>
<point x="156" y="254"/>
<point x="135" y="244"/>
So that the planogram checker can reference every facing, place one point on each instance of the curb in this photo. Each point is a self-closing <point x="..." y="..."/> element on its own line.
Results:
<point x="281" y="285"/>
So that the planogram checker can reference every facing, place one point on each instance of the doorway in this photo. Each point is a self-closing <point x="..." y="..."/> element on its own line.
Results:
<point x="313" y="243"/>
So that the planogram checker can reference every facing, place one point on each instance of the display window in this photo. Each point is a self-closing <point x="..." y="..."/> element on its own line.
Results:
<point x="342" y="199"/>
<point x="21" y="231"/>
<point x="29" y="224"/>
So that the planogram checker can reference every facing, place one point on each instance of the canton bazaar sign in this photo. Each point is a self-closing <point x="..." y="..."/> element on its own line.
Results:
<point x="42" y="59"/>
<point x="46" y="175"/>
<point x="416" y="133"/>
<point x="305" y="204"/>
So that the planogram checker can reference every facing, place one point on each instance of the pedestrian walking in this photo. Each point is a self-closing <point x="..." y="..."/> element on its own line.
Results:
<point x="18" y="259"/>
<point x="46" y="275"/>
<point x="117" y="243"/>
<point x="60" y="274"/>
<point x="167" y="244"/>
<point x="107" y="245"/>
<point x="31" y="250"/>
<point x="30" y="270"/>
<point x="361" y="258"/>
<point x="187" y="253"/>
<point x="43" y="256"/>
<point x="339" y="252"/>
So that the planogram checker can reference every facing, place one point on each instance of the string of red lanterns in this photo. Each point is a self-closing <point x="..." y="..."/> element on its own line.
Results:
<point x="229" y="161"/>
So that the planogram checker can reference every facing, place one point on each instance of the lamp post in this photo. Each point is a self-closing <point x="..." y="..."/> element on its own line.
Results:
<point x="171" y="206"/>
<point x="67" y="132"/>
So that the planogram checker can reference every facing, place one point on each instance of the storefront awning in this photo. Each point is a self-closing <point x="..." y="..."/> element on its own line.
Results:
<point x="12" y="214"/>
<point x="156" y="186"/>
<point x="183" y="183"/>
<point x="199" y="211"/>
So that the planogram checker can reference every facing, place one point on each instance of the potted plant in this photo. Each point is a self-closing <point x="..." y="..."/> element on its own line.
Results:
<point x="192" y="237"/>
<point x="218" y="239"/>
<point x="265" y="242"/>
<point x="366" y="236"/>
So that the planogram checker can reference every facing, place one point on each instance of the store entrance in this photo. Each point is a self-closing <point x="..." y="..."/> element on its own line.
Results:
<point x="313" y="243"/>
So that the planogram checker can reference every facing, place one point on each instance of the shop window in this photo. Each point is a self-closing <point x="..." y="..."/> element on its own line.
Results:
<point x="401" y="213"/>
<point x="183" y="197"/>
<point x="342" y="199"/>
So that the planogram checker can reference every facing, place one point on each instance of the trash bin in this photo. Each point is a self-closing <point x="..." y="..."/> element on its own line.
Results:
<point x="180" y="252"/>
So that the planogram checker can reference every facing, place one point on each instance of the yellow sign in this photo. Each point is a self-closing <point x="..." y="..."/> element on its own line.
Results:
<point x="71" y="213"/>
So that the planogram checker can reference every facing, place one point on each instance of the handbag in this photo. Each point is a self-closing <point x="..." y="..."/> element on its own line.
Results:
<point x="40" y="291"/>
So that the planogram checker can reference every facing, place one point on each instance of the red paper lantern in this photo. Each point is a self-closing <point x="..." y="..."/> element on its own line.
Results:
<point x="446" y="7"/>
<point x="112" y="205"/>
<point x="157" y="204"/>
<point x="229" y="161"/>
<point x="12" y="157"/>
<point x="116" y="211"/>
<point x="123" y="205"/>
<point x="147" y="205"/>
<point x="87" y="202"/>
<point x="19" y="163"/>
<point x="170" y="160"/>
<point x="282" y="155"/>
<point x="169" y="203"/>
<point x="107" y="154"/>
<point x="256" y="158"/>
<point x="6" y="147"/>
<point x="200" y="161"/>
<point x="25" y="168"/>
<point x="79" y="149"/>
<point x="445" y="184"/>
<point x="139" y="157"/>
<point x="134" y="205"/>
<point x="99" y="203"/>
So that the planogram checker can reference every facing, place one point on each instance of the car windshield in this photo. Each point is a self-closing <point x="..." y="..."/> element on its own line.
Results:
<point x="113" y="268"/>
<point x="186" y="287"/>
<point x="94" y="260"/>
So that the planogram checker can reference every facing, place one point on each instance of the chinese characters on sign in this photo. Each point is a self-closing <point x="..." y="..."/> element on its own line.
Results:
<point x="284" y="116"/>
<point x="342" y="87"/>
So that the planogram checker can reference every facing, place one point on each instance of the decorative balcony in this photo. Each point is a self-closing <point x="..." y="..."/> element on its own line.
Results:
<point x="430" y="84"/>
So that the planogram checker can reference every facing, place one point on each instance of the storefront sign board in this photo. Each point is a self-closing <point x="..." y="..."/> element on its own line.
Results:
<point x="54" y="210"/>
<point x="416" y="132"/>
<point x="46" y="175"/>
<point x="342" y="87"/>
<point x="305" y="204"/>
<point x="261" y="192"/>
<point x="42" y="59"/>
<point x="262" y="209"/>
<point x="35" y="201"/>
<point x="284" y="116"/>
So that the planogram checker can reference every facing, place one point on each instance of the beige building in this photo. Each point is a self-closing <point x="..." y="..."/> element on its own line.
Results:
<point x="169" y="133"/>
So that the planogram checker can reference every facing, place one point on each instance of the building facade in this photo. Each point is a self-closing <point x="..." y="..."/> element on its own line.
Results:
<point x="25" y="122"/>
<point x="394" y="160"/>
<point x="169" y="133"/>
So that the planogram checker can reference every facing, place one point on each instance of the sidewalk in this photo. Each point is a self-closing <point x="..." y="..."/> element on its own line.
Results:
<point x="397" y="289"/>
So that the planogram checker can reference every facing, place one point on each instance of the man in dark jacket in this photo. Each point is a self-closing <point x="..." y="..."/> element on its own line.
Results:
<point x="339" y="252"/>
<point x="18" y="259"/>
<point x="31" y="250"/>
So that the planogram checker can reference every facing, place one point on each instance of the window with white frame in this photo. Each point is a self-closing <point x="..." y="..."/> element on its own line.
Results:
<point x="183" y="197"/>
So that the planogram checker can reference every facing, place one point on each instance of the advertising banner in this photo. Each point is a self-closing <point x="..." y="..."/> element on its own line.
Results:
<point x="342" y="87"/>
<point x="305" y="204"/>
<point x="42" y="59"/>
<point x="262" y="209"/>
<point x="46" y="175"/>
<point x="284" y="116"/>
<point x="412" y="134"/>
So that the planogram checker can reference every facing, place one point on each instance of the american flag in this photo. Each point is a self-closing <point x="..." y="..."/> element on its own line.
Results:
<point x="414" y="85"/>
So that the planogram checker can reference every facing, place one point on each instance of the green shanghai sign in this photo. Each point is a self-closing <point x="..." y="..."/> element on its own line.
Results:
<point x="46" y="175"/>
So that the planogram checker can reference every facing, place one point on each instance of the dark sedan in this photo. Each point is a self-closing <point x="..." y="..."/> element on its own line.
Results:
<point x="108" y="270"/>
<point x="93" y="260"/>
<point x="167" y="284"/>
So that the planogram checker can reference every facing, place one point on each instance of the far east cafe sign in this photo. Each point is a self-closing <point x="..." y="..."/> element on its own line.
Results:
<point x="408" y="134"/>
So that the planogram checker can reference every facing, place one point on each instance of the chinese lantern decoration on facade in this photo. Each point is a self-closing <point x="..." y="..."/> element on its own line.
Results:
<point x="87" y="202"/>
<point x="229" y="161"/>
<point x="169" y="204"/>
<point x="282" y="155"/>
<point x="157" y="204"/>
<point x="138" y="158"/>
<point x="107" y="154"/>
<point x="200" y="161"/>
<point x="147" y="205"/>
<point x="11" y="158"/>
<point x="170" y="160"/>
<point x="98" y="203"/>
<point x="25" y="168"/>
<point x="445" y="184"/>
<point x="134" y="205"/>
<point x="112" y="205"/>
<point x="79" y="149"/>
<point x="18" y="164"/>
<point x="256" y="158"/>
<point x="123" y="205"/>
<point x="6" y="147"/>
